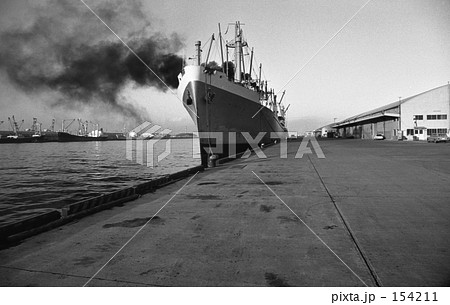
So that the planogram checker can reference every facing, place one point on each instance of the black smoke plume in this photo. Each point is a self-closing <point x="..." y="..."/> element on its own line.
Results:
<point x="68" y="50"/>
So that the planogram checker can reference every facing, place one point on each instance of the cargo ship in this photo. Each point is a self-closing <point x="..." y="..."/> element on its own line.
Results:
<point x="35" y="135"/>
<point x="82" y="135"/>
<point x="67" y="137"/>
<point x="35" y="138"/>
<point x="232" y="111"/>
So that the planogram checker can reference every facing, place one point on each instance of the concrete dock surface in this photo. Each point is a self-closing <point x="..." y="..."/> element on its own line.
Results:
<point x="373" y="213"/>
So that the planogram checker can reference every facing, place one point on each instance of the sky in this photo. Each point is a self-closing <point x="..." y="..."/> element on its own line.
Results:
<point x="390" y="49"/>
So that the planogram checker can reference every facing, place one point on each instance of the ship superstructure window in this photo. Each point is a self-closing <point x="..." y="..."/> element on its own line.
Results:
<point x="418" y="117"/>
<point x="436" y="117"/>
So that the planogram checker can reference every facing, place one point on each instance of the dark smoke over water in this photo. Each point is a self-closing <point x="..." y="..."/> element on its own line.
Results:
<point x="68" y="50"/>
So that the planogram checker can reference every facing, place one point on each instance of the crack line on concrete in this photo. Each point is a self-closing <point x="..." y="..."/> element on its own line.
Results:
<point x="77" y="276"/>
<point x="317" y="236"/>
<point x="349" y="230"/>
<point x="138" y="231"/>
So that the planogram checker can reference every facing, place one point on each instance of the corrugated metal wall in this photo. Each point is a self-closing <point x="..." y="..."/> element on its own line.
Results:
<point x="390" y="126"/>
<point x="369" y="130"/>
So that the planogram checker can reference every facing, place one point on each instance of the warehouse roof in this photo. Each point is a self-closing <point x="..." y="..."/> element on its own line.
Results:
<point x="380" y="111"/>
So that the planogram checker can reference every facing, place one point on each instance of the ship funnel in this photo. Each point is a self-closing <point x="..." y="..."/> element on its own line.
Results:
<point x="199" y="52"/>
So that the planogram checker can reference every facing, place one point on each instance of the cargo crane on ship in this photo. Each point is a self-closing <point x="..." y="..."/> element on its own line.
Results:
<point x="66" y="128"/>
<point x="33" y="125"/>
<point x="15" y="127"/>
<point x="36" y="127"/>
<point x="52" y="126"/>
<point x="17" y="137"/>
<point x="82" y="127"/>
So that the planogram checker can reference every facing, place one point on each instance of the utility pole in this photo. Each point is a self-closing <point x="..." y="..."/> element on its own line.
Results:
<point x="400" y="133"/>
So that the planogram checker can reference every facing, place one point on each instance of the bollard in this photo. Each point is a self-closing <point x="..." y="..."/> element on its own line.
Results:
<point x="212" y="160"/>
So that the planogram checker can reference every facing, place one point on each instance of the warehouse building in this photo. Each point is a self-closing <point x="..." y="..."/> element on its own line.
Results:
<point x="326" y="131"/>
<point x="412" y="118"/>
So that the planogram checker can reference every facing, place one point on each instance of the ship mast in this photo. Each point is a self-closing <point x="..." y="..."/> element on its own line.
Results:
<point x="238" y="52"/>
<point x="221" y="47"/>
<point x="198" y="49"/>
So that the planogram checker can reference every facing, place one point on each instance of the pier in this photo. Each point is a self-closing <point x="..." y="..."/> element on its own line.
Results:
<point x="371" y="213"/>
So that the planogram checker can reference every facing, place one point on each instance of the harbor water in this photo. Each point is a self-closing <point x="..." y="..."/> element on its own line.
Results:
<point x="37" y="177"/>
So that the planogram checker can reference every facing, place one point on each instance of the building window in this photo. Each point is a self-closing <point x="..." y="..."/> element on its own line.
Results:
<point x="409" y="132"/>
<point x="436" y="117"/>
<point x="431" y="131"/>
<point x="418" y="117"/>
<point x="416" y="131"/>
<point x="438" y="131"/>
<point x="421" y="131"/>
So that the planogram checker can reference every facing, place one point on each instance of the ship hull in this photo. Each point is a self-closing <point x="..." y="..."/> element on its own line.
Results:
<point x="23" y="140"/>
<point x="67" y="137"/>
<point x="229" y="117"/>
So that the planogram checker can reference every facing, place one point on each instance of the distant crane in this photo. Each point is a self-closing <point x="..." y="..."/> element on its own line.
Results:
<point x="52" y="127"/>
<point x="83" y="127"/>
<point x="37" y="129"/>
<point x="34" y="125"/>
<point x="63" y="129"/>
<point x="15" y="127"/>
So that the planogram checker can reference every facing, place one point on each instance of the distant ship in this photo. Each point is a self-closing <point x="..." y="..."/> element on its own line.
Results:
<point x="35" y="135"/>
<point x="82" y="135"/>
<point x="23" y="139"/>
<point x="228" y="105"/>
<point x="67" y="137"/>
